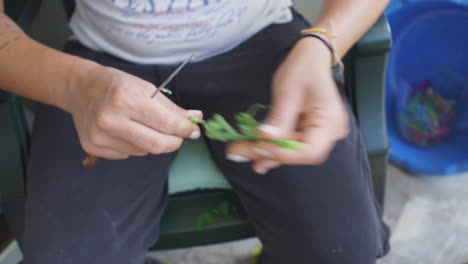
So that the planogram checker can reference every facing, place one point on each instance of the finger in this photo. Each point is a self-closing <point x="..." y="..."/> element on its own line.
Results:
<point x="148" y="139"/>
<point x="295" y="136"/>
<point x="175" y="108"/>
<point x="264" y="166"/>
<point x="121" y="146"/>
<point x="165" y="120"/>
<point x="107" y="153"/>
<point x="282" y="116"/>
<point x="242" y="151"/>
<point x="317" y="146"/>
<point x="319" y="143"/>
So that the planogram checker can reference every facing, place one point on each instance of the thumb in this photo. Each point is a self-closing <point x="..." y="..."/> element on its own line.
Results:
<point x="282" y="118"/>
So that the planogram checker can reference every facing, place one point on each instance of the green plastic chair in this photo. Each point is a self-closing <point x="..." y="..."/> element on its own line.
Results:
<point x="205" y="211"/>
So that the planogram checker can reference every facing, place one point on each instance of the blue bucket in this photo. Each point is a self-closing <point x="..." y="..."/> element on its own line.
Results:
<point x="429" y="50"/>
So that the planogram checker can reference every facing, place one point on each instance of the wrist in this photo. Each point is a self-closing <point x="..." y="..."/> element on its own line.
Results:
<point x="327" y="41"/>
<point x="316" y="50"/>
<point x="77" y="79"/>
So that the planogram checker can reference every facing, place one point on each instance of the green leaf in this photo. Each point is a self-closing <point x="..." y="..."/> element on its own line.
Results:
<point x="217" y="128"/>
<point x="204" y="219"/>
<point x="224" y="208"/>
<point x="247" y="124"/>
<point x="254" y="109"/>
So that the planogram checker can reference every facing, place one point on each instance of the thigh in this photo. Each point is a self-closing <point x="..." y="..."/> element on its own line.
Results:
<point x="302" y="214"/>
<point x="107" y="214"/>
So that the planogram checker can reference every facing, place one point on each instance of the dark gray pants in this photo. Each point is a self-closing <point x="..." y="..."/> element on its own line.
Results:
<point x="110" y="214"/>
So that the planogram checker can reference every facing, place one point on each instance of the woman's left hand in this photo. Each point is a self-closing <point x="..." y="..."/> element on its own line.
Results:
<point x="306" y="107"/>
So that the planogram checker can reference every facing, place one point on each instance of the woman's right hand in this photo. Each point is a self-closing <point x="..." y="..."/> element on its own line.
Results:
<point x="115" y="117"/>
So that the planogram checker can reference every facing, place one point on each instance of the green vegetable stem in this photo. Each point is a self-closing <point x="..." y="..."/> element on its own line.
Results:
<point x="217" y="128"/>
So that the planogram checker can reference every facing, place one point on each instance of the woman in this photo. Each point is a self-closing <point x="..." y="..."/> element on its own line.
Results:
<point x="312" y="206"/>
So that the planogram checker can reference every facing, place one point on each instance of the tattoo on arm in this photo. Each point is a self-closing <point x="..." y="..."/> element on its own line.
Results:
<point x="9" y="32"/>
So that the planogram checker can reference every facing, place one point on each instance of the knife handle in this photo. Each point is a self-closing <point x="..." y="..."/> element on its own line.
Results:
<point x="90" y="161"/>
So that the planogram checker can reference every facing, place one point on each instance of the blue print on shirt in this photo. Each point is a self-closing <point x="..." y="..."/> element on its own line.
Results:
<point x="155" y="21"/>
<point x="151" y="6"/>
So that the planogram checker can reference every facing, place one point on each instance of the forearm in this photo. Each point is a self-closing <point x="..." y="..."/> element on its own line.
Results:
<point x="33" y="70"/>
<point x="349" y="20"/>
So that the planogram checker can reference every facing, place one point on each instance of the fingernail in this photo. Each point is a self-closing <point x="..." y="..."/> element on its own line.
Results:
<point x="274" y="130"/>
<point x="261" y="171"/>
<point x="263" y="153"/>
<point x="195" y="134"/>
<point x="195" y="112"/>
<point x="236" y="158"/>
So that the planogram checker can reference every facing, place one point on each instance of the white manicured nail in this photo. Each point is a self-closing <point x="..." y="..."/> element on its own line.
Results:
<point x="261" y="171"/>
<point x="236" y="158"/>
<point x="195" y="112"/>
<point x="263" y="153"/>
<point x="195" y="134"/>
<point x="274" y="130"/>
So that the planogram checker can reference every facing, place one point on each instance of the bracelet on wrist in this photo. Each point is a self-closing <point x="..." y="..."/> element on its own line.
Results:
<point x="327" y="39"/>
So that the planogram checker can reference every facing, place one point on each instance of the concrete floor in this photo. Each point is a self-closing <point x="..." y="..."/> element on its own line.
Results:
<point x="428" y="217"/>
